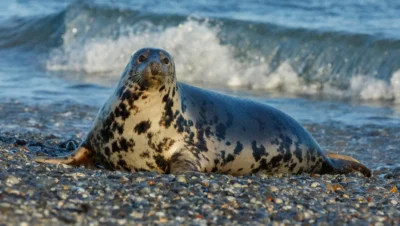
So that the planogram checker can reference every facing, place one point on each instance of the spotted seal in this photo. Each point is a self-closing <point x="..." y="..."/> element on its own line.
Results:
<point x="152" y="122"/>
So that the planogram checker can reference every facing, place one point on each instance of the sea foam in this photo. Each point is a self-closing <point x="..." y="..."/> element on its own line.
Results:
<point x="201" y="57"/>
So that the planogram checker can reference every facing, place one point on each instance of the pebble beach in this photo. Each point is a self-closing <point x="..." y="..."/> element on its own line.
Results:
<point x="40" y="194"/>
<point x="331" y="65"/>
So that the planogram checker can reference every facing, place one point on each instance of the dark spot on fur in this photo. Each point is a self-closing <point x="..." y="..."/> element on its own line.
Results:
<point x="201" y="143"/>
<point x="123" y="143"/>
<point x="161" y="162"/>
<point x="121" y="111"/>
<point x="292" y="166"/>
<point x="229" y="158"/>
<point x="220" y="131"/>
<point x="167" y="115"/>
<point x="120" y="129"/>
<point x="240" y="169"/>
<point x="263" y="166"/>
<point x="203" y="112"/>
<point x="228" y="143"/>
<point x="165" y="144"/>
<point x="161" y="88"/>
<point x="258" y="152"/>
<point x="142" y="127"/>
<point x="115" y="147"/>
<point x="122" y="164"/>
<point x="287" y="156"/>
<point x="222" y="154"/>
<point x="150" y="165"/>
<point x="183" y="104"/>
<point x="180" y="124"/>
<point x="145" y="154"/>
<point x="208" y="132"/>
<point x="106" y="132"/>
<point x="275" y="161"/>
<point x="176" y="113"/>
<point x="238" y="148"/>
<point x="130" y="97"/>
<point x="299" y="155"/>
<point x="107" y="151"/>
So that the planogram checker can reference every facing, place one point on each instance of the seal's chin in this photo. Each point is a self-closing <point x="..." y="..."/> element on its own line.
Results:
<point x="152" y="82"/>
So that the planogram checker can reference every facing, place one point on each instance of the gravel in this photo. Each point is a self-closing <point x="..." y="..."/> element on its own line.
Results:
<point x="40" y="194"/>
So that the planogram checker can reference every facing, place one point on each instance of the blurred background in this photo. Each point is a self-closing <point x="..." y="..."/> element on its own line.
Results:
<point x="317" y="60"/>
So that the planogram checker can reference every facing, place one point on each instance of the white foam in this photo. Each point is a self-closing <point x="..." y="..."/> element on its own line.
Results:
<point x="195" y="47"/>
<point x="395" y="85"/>
<point x="200" y="57"/>
<point x="368" y="88"/>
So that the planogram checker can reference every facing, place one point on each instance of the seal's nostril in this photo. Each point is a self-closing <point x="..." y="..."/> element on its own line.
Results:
<point x="155" y="68"/>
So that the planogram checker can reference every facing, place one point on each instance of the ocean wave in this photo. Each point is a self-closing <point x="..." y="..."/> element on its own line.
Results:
<point x="97" y="41"/>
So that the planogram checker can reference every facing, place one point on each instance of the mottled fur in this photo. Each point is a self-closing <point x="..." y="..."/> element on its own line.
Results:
<point x="154" y="123"/>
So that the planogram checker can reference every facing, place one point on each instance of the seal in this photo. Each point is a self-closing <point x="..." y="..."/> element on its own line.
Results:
<point x="152" y="122"/>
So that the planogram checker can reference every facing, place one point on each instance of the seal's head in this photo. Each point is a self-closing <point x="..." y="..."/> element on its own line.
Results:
<point x="150" y="68"/>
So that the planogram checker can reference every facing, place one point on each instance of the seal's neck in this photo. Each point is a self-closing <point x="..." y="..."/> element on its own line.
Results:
<point x="161" y="104"/>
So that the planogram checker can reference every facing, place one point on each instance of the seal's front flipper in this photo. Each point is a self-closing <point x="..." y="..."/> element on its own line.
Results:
<point x="346" y="164"/>
<point x="79" y="157"/>
<point x="184" y="162"/>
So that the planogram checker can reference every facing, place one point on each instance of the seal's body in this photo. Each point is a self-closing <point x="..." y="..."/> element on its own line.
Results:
<point x="154" y="123"/>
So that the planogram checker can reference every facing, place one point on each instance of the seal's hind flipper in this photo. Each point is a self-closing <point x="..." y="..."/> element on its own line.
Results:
<point x="347" y="164"/>
<point x="79" y="157"/>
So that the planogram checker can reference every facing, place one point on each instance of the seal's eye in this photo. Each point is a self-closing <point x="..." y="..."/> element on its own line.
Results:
<point x="142" y="58"/>
<point x="165" y="60"/>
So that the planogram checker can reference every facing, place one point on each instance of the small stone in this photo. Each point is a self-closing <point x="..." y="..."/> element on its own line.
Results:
<point x="230" y="198"/>
<point x="137" y="215"/>
<point x="393" y="189"/>
<point x="145" y="191"/>
<point x="214" y="187"/>
<point x="331" y="201"/>
<point x="287" y="207"/>
<point x="62" y="195"/>
<point x="12" y="180"/>
<point x="181" y="179"/>
<point x="122" y="221"/>
<point x="335" y="187"/>
<point x="315" y="184"/>
<point x="273" y="189"/>
<point x="278" y="201"/>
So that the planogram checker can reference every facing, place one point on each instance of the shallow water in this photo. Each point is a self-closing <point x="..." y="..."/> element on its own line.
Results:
<point x="333" y="66"/>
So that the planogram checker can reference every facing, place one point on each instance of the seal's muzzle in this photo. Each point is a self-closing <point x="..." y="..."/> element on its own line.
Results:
<point x="155" y="68"/>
